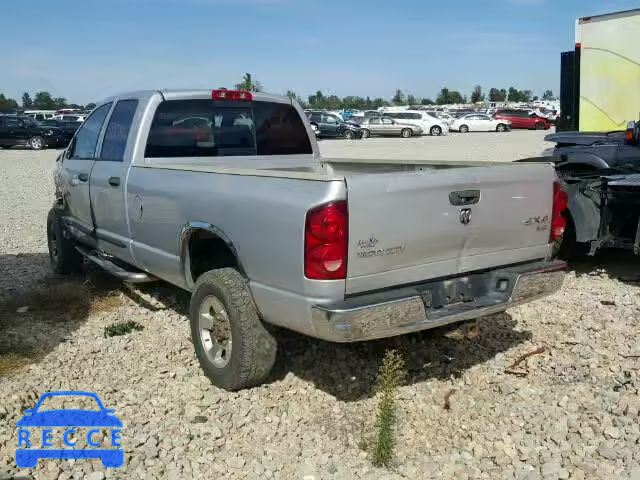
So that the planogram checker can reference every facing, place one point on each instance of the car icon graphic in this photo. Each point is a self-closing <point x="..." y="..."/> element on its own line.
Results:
<point x="70" y="418"/>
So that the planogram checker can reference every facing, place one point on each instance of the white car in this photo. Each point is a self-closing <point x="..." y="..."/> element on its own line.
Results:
<point x="429" y="125"/>
<point x="479" y="122"/>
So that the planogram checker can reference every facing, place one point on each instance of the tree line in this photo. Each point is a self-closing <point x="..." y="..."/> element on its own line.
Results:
<point x="44" y="101"/>
<point x="41" y="101"/>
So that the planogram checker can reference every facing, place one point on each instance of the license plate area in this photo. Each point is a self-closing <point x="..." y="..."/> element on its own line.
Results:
<point x="469" y="290"/>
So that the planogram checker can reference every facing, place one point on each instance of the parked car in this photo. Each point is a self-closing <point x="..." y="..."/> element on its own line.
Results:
<point x="68" y="127"/>
<point x="333" y="126"/>
<point x="68" y="117"/>
<point x="22" y="130"/>
<point x="40" y="114"/>
<point x="479" y="122"/>
<point x="339" y="249"/>
<point x="426" y="122"/>
<point x="387" y="127"/>
<point x="523" y="119"/>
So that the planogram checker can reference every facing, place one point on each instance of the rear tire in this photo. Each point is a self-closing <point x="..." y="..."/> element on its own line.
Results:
<point x="234" y="348"/>
<point x="348" y="135"/>
<point x="463" y="129"/>
<point x="540" y="126"/>
<point x="63" y="255"/>
<point x="435" y="131"/>
<point x="406" y="132"/>
<point x="365" y="133"/>
<point x="36" y="142"/>
<point x="501" y="127"/>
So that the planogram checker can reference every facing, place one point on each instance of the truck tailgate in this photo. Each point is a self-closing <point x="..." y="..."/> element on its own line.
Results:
<point x="411" y="226"/>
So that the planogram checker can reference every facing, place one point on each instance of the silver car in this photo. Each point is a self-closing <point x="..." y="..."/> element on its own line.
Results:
<point x="385" y="126"/>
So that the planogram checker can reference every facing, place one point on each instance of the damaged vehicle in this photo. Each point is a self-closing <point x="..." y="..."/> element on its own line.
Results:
<point x="601" y="175"/>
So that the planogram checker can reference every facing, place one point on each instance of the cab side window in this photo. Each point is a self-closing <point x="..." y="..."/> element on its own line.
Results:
<point x="85" y="141"/>
<point x="115" y="138"/>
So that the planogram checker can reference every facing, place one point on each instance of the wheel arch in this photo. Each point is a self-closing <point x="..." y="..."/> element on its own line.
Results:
<point x="194" y="261"/>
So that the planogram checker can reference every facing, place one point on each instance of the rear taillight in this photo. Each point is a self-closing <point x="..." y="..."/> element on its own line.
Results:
<point x="325" y="242"/>
<point x="233" y="95"/>
<point x="558" y="220"/>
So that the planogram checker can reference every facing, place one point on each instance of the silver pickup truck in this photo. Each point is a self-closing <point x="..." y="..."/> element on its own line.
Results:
<point x="223" y="193"/>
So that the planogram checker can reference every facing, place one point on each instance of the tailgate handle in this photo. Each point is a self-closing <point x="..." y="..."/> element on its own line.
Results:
<point x="464" y="197"/>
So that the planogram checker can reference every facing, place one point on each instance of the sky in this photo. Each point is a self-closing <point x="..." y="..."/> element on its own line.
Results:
<point x="85" y="50"/>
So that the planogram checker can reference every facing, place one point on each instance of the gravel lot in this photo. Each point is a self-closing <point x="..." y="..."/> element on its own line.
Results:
<point x="569" y="412"/>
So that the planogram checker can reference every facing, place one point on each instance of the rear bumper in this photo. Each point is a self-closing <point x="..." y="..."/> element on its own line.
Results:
<point x="411" y="309"/>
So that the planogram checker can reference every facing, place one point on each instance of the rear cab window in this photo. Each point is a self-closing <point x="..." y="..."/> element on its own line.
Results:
<point x="203" y="128"/>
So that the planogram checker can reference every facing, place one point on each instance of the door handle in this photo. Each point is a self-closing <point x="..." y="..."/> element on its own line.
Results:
<point x="83" y="177"/>
<point x="464" y="197"/>
<point x="114" y="181"/>
<point x="75" y="181"/>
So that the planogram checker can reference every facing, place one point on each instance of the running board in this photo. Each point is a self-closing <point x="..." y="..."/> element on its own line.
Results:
<point x="114" y="269"/>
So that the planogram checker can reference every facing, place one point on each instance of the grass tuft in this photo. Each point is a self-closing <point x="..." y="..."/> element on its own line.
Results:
<point x="121" y="328"/>
<point x="390" y="376"/>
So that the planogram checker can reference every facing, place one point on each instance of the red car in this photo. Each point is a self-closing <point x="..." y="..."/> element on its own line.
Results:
<point x="523" y="119"/>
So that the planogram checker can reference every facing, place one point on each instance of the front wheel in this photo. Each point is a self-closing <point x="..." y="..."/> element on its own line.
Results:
<point x="365" y="133"/>
<point x="233" y="347"/>
<point x="36" y="142"/>
<point x="540" y="126"/>
<point x="406" y="132"/>
<point x="501" y="127"/>
<point x="463" y="129"/>
<point x="436" y="131"/>
<point x="348" y="135"/>
<point x="63" y="256"/>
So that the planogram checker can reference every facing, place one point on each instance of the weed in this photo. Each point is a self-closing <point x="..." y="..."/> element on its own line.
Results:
<point x="121" y="328"/>
<point x="390" y="376"/>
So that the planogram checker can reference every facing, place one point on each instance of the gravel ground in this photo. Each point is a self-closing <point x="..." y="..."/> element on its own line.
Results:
<point x="568" y="412"/>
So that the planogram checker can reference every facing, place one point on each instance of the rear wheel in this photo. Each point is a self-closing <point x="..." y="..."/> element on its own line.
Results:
<point x="365" y="133"/>
<point x="435" y="131"/>
<point x="539" y="126"/>
<point x="406" y="132"/>
<point x="348" y="134"/>
<point x="463" y="129"/>
<point x="63" y="255"/>
<point x="36" y="142"/>
<point x="234" y="348"/>
<point x="501" y="127"/>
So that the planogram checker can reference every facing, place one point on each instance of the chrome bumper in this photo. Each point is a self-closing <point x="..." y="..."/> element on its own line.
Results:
<point x="410" y="309"/>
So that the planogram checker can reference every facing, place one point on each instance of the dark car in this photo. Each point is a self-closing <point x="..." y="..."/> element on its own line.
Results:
<point x="330" y="125"/>
<point x="523" y="119"/>
<point x="66" y="126"/>
<point x="25" y="131"/>
<point x="600" y="172"/>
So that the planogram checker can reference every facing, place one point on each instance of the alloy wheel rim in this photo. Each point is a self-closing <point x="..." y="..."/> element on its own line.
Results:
<point x="215" y="331"/>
